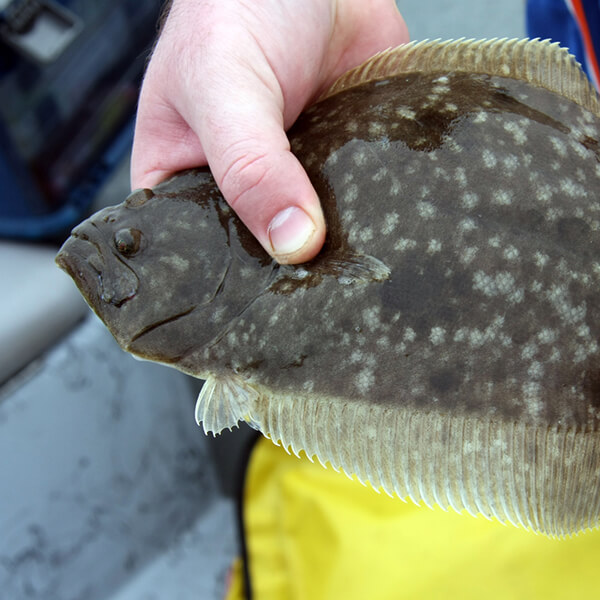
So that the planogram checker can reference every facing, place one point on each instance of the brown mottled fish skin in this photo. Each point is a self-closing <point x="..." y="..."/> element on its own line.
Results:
<point x="481" y="194"/>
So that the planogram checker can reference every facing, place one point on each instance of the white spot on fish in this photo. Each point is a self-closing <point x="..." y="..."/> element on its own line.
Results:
<point x="434" y="246"/>
<point x="476" y="338"/>
<point x="467" y="225"/>
<point x="176" y="262"/>
<point x="437" y="336"/>
<point x="380" y="174"/>
<point x="502" y="197"/>
<point x="559" y="297"/>
<point x="518" y="132"/>
<point x="529" y="351"/>
<point x="536" y="370"/>
<point x="480" y="117"/>
<point x="501" y="284"/>
<point x="554" y="213"/>
<point x="454" y="146"/>
<point x="426" y="210"/>
<point x="351" y="193"/>
<point x="404" y="112"/>
<point x="440" y="173"/>
<point x="468" y="254"/>
<point x="558" y="145"/>
<point x="511" y="253"/>
<point x="543" y="192"/>
<point x="409" y="335"/>
<point x="547" y="336"/>
<point x="356" y="356"/>
<point x="376" y="129"/>
<point x="359" y="158"/>
<point x="390" y="222"/>
<point x="489" y="159"/>
<point x="366" y="234"/>
<point x="510" y="162"/>
<point x="365" y="380"/>
<point x="572" y="189"/>
<point x="383" y="342"/>
<point x="540" y="259"/>
<point x="470" y="200"/>
<point x="371" y="317"/>
<point x="460" y="176"/>
<point x="581" y="150"/>
<point x="308" y="386"/>
<point x="531" y="394"/>
<point x="405" y="244"/>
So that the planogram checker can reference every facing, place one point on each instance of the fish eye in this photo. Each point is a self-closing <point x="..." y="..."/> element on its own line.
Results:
<point x="127" y="241"/>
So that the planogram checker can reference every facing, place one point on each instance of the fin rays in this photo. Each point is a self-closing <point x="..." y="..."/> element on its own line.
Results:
<point x="541" y="479"/>
<point x="541" y="63"/>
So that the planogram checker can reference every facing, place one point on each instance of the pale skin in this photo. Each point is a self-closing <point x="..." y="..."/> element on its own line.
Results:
<point x="227" y="79"/>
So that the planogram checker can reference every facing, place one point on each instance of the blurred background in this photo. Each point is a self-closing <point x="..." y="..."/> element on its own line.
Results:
<point x="108" y="489"/>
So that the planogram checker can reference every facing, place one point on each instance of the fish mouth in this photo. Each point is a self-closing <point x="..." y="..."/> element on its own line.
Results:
<point x="103" y="278"/>
<point x="74" y="259"/>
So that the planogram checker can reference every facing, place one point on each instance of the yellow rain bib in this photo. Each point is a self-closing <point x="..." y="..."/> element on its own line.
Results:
<point x="312" y="534"/>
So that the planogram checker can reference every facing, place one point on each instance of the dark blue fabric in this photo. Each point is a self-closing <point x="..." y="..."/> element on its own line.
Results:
<point x="551" y="19"/>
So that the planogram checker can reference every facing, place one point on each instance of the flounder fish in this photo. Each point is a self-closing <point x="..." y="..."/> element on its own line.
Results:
<point x="444" y="345"/>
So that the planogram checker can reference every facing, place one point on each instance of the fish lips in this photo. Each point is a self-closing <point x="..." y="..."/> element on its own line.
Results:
<point x="102" y="276"/>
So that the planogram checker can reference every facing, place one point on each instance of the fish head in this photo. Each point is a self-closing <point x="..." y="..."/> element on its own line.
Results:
<point x="153" y="268"/>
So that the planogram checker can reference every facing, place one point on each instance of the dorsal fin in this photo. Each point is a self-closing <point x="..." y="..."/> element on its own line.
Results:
<point x="540" y="63"/>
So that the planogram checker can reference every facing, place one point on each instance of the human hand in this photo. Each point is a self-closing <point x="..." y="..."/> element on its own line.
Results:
<point x="228" y="77"/>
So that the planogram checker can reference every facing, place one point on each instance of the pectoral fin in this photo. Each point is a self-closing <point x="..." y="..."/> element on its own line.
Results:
<point x="349" y="269"/>
<point x="223" y="402"/>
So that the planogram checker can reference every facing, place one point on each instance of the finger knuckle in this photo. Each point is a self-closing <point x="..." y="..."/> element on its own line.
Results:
<point x="243" y="175"/>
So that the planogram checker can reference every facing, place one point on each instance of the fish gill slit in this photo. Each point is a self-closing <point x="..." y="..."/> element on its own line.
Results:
<point x="149" y="328"/>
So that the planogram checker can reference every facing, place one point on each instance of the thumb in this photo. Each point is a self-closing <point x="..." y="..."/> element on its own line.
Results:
<point x="249" y="155"/>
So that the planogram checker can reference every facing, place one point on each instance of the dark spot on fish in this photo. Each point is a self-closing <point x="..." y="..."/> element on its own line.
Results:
<point x="432" y="124"/>
<point x="138" y="197"/>
<point x="422" y="289"/>
<point x="523" y="325"/>
<point x="572" y="229"/>
<point x="288" y="284"/>
<point x="445" y="381"/>
<point x="591" y="144"/>
<point x="499" y="372"/>
<point x="591" y="386"/>
<point x="531" y="220"/>
<point x="250" y="366"/>
<point x="298" y="362"/>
